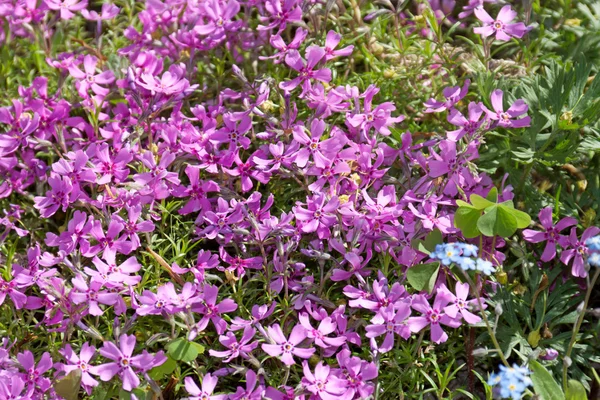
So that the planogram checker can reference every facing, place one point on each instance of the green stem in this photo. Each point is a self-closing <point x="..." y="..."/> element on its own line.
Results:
<point x="578" y="326"/>
<point x="487" y="323"/>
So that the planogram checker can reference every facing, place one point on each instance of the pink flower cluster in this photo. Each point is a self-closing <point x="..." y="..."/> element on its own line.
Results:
<point x="105" y="179"/>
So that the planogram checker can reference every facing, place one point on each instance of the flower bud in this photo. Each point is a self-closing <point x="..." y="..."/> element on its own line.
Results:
<point x="534" y="338"/>
<point x="580" y="307"/>
<point x="567" y="361"/>
<point x="549" y="355"/>
<point x="498" y="309"/>
<point x="480" y="352"/>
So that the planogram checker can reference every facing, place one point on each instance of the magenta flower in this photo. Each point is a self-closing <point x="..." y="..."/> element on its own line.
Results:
<point x="112" y="168"/>
<point x="432" y="316"/>
<point x="209" y="383"/>
<point x="466" y="126"/>
<point x="172" y="82"/>
<point x="247" y="170"/>
<point x="91" y="295"/>
<point x="235" y="348"/>
<point x="90" y="79"/>
<point x="60" y="196"/>
<point x="282" y="48"/>
<point x="10" y="289"/>
<point x="212" y="310"/>
<point x="507" y="119"/>
<point x="318" y="217"/>
<point x="285" y="349"/>
<point x="331" y="41"/>
<point x="66" y="7"/>
<point x="319" y="335"/>
<point x="357" y="373"/>
<point x="321" y="151"/>
<point x="306" y="69"/>
<point x="111" y="274"/>
<point x="110" y="242"/>
<point x="81" y="362"/>
<point x="379" y="118"/>
<point x="156" y="303"/>
<point x="323" y="384"/>
<point x="109" y="11"/>
<point x="452" y="95"/>
<point x="220" y="18"/>
<point x="390" y="320"/>
<point x="501" y="26"/>
<point x="578" y="251"/>
<point x="251" y="392"/>
<point x="197" y="192"/>
<point x="460" y="304"/>
<point x="551" y="233"/>
<point x="233" y="132"/>
<point x="124" y="363"/>
<point x="34" y="374"/>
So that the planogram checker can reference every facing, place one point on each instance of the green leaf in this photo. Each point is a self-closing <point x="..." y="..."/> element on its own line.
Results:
<point x="575" y="391"/>
<point x="466" y="219"/>
<point x="544" y="384"/>
<point x="433" y="239"/>
<point x="68" y="387"/>
<point x="497" y="221"/>
<point x="523" y="219"/>
<point x="493" y="195"/>
<point x="423" y="276"/>
<point x="480" y="203"/>
<point x="165" y="368"/>
<point x="181" y="349"/>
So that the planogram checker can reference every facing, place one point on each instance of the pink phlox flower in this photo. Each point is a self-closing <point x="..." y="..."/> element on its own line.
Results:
<point x="577" y="251"/>
<point x="285" y="349"/>
<point x="433" y="316"/>
<point x="322" y="383"/>
<point x="91" y="295"/>
<point x="331" y="42"/>
<point x="306" y="69"/>
<point x="390" y="320"/>
<point x="209" y="382"/>
<point x="319" y="334"/>
<point x="508" y="118"/>
<point x="501" y="26"/>
<point x="321" y="151"/>
<point x="550" y="233"/>
<point x="452" y="95"/>
<point x="236" y="348"/>
<point x="460" y="304"/>
<point x="90" y="79"/>
<point x="318" y="216"/>
<point x="466" y="126"/>
<point x="80" y="362"/>
<point x="67" y="8"/>
<point x="109" y="11"/>
<point x="251" y="392"/>
<point x="123" y="363"/>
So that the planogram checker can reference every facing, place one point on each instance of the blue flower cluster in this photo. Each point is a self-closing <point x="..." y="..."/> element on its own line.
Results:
<point x="593" y="245"/>
<point x="510" y="382"/>
<point x="464" y="255"/>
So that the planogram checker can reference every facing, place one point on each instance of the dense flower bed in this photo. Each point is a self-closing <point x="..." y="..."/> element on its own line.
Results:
<point x="232" y="200"/>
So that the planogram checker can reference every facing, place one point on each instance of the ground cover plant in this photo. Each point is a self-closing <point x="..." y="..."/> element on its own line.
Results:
<point x="299" y="199"/>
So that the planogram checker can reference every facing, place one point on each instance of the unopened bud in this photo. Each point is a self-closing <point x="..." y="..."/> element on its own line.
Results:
<point x="498" y="309"/>
<point x="156" y="338"/>
<point x="549" y="355"/>
<point x="596" y="312"/>
<point x="480" y="352"/>
<point x="580" y="307"/>
<point x="567" y="361"/>
<point x="534" y="338"/>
